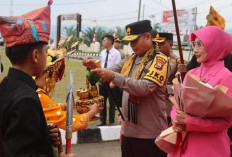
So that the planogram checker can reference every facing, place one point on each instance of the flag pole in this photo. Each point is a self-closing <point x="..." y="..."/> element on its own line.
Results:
<point x="177" y="31"/>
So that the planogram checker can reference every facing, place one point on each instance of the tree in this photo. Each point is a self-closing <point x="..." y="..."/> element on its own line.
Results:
<point x="121" y="32"/>
<point x="100" y="34"/>
<point x="72" y="31"/>
<point x="88" y="35"/>
<point x="51" y="40"/>
<point x="157" y="27"/>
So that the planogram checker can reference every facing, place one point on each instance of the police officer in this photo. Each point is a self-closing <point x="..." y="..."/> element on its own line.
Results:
<point x="142" y="77"/>
<point x="165" y="43"/>
<point x="118" y="45"/>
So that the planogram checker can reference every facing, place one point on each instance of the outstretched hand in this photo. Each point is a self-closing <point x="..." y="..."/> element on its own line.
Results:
<point x="106" y="74"/>
<point x="94" y="109"/>
<point x="89" y="62"/>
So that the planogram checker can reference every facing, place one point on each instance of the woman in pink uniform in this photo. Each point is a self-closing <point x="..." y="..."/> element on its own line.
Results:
<point x="207" y="137"/>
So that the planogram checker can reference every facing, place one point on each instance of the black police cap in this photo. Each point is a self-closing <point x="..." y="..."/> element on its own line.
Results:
<point x="135" y="29"/>
<point x="161" y="37"/>
<point x="118" y="39"/>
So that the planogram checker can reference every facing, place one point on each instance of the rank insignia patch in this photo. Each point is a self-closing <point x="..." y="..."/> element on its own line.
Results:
<point x="160" y="62"/>
<point x="157" y="72"/>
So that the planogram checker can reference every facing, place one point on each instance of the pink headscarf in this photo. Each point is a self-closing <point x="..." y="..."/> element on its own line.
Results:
<point x="218" y="43"/>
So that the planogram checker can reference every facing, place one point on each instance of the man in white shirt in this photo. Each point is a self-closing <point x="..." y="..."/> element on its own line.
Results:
<point x="108" y="57"/>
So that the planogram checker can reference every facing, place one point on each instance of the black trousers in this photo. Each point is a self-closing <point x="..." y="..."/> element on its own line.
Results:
<point x="104" y="91"/>
<point x="133" y="147"/>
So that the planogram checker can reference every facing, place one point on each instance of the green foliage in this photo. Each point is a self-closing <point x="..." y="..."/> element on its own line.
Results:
<point x="93" y="78"/>
<point x="72" y="31"/>
<point x="51" y="40"/>
<point x="121" y="32"/>
<point x="127" y="55"/>
<point x="89" y="33"/>
<point x="157" y="27"/>
<point x="100" y="34"/>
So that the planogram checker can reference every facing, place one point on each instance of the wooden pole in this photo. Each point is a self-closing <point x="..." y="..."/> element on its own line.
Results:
<point x="177" y="31"/>
<point x="178" y="37"/>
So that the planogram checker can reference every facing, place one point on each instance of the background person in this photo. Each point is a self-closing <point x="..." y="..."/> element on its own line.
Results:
<point x="108" y="57"/>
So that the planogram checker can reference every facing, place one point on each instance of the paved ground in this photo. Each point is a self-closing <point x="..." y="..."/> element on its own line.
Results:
<point x="103" y="149"/>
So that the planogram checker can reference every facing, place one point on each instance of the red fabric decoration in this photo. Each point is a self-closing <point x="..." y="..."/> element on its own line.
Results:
<point x="29" y="28"/>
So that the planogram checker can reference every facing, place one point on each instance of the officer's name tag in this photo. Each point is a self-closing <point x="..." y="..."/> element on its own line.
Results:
<point x="158" y="70"/>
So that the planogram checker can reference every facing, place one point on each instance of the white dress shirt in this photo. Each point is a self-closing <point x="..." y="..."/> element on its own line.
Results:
<point x="113" y="58"/>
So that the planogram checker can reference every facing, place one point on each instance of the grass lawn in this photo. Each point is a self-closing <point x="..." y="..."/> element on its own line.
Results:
<point x="59" y="94"/>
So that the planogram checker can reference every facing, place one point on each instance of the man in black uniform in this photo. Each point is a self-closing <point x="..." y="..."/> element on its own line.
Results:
<point x="23" y="128"/>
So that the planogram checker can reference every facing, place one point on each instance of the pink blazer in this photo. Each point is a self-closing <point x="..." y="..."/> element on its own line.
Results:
<point x="207" y="137"/>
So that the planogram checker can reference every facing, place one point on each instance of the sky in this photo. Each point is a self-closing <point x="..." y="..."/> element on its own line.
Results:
<point x="112" y="13"/>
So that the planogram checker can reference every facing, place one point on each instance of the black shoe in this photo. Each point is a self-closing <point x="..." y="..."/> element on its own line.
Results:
<point x="101" y="124"/>
<point x="111" y="124"/>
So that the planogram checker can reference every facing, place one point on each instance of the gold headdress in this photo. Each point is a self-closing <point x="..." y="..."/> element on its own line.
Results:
<point x="56" y="62"/>
<point x="215" y="19"/>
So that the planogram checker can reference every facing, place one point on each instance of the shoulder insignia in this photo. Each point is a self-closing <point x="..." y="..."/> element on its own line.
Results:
<point x="158" y="70"/>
